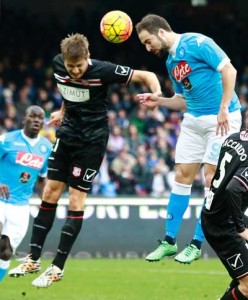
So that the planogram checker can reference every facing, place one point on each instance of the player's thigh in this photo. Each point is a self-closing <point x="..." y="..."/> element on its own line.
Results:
<point x="85" y="164"/>
<point x="229" y="246"/>
<point x="190" y="147"/>
<point x="16" y="224"/>
<point x="213" y="141"/>
<point x="59" y="161"/>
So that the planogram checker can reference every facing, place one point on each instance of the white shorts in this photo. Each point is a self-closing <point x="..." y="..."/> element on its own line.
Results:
<point x="15" y="220"/>
<point x="198" y="142"/>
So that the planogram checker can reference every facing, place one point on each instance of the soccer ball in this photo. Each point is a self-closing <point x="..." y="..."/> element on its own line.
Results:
<point x="116" y="26"/>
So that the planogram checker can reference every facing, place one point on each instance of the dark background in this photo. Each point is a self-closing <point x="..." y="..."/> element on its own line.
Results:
<point x="35" y="28"/>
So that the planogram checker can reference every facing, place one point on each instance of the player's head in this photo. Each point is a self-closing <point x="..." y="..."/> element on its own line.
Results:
<point x="33" y="121"/>
<point x="154" y="32"/>
<point x="75" y="52"/>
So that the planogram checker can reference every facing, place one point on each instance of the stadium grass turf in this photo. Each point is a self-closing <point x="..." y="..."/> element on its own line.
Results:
<point x="123" y="279"/>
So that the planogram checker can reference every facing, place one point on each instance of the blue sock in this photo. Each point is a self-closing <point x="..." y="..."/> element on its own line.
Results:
<point x="175" y="211"/>
<point x="2" y="273"/>
<point x="198" y="234"/>
<point x="4" y="265"/>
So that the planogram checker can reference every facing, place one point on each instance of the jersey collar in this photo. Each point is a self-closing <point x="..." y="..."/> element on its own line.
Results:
<point x="31" y="141"/>
<point x="174" y="47"/>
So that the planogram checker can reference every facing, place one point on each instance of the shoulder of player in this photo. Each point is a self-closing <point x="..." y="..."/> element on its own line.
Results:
<point x="194" y="39"/>
<point x="10" y="137"/>
<point x="58" y="63"/>
<point x="46" y="141"/>
<point x="96" y="64"/>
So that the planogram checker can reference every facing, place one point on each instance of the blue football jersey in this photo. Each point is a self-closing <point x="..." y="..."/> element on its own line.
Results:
<point x="21" y="164"/>
<point x="194" y="64"/>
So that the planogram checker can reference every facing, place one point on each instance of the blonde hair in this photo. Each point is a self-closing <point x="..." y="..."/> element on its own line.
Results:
<point x="75" y="46"/>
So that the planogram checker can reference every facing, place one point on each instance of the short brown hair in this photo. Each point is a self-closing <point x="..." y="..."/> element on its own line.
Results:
<point x="75" y="46"/>
<point x="152" y="23"/>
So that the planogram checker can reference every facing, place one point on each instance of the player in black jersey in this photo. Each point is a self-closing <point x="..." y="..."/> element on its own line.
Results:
<point x="80" y="145"/>
<point x="223" y="213"/>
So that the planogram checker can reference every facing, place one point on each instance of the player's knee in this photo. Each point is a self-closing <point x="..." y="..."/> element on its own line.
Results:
<point x="51" y="193"/>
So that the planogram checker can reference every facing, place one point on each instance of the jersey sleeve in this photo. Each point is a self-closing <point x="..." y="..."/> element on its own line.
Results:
<point x="208" y="51"/>
<point x="113" y="73"/>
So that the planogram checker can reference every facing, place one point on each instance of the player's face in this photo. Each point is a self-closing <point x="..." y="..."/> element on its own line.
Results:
<point x="33" y="121"/>
<point x="154" y="43"/>
<point x="76" y="68"/>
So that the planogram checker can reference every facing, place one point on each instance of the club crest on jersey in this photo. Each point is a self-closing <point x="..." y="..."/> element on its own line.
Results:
<point x="29" y="160"/>
<point x="181" y="70"/>
<point x="89" y="175"/>
<point x="43" y="148"/>
<point x="76" y="172"/>
<point x="24" y="178"/>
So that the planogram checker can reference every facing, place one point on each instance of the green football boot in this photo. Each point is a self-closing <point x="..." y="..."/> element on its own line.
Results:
<point x="164" y="249"/>
<point x="189" y="254"/>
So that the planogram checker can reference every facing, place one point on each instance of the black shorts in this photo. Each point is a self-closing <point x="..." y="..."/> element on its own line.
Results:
<point x="77" y="163"/>
<point x="228" y="245"/>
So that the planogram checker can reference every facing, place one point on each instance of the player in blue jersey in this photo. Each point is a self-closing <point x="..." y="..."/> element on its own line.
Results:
<point x="23" y="163"/>
<point x="203" y="79"/>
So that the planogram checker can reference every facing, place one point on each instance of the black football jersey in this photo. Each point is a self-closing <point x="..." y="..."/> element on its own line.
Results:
<point x="85" y="99"/>
<point x="232" y="170"/>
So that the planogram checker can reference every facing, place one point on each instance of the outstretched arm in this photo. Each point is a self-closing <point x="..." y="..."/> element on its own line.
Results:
<point x="228" y="73"/>
<point x="149" y="79"/>
<point x="151" y="101"/>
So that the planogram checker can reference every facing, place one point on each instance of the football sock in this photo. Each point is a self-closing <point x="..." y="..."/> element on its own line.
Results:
<point x="42" y="225"/>
<point x="4" y="265"/>
<point x="234" y="294"/>
<point x="68" y="236"/>
<point x="170" y="240"/>
<point x="196" y="243"/>
<point x="178" y="203"/>
<point x="198" y="235"/>
<point x="234" y="283"/>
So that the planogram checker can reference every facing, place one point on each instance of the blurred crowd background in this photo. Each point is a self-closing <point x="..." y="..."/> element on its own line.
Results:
<point x="140" y="155"/>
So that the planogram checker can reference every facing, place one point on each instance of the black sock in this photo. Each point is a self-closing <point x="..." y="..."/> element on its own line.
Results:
<point x="41" y="226"/>
<point x="170" y="240"/>
<point x="196" y="243"/>
<point x="68" y="236"/>
<point x="234" y="294"/>
<point x="232" y="285"/>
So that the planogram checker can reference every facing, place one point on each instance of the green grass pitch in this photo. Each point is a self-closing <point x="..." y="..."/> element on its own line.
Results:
<point x="124" y="279"/>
